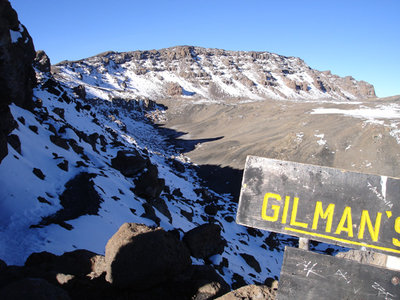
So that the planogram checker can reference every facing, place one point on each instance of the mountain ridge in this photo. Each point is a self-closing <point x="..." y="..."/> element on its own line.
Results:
<point x="210" y="73"/>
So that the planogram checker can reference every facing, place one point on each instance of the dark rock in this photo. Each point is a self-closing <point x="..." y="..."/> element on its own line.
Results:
<point x="3" y="265"/>
<point x="14" y="142"/>
<point x="80" y="164"/>
<point x="251" y="261"/>
<point x="45" y="260"/>
<point x="272" y="241"/>
<point x="53" y="87"/>
<point x="149" y="213"/>
<point x="38" y="173"/>
<point x="92" y="140"/>
<point x="161" y="206"/>
<point x="59" y="111"/>
<point x="204" y="241"/>
<point x="79" y="198"/>
<point x="32" y="288"/>
<point x="148" y="185"/>
<point x="10" y="274"/>
<point x="17" y="77"/>
<point x="229" y="219"/>
<point x="78" y="262"/>
<point x="177" y="192"/>
<point x="140" y="257"/>
<point x="22" y="120"/>
<point x="206" y="195"/>
<point x="59" y="141"/>
<point x="80" y="91"/>
<point x="129" y="163"/>
<point x="63" y="165"/>
<point x="187" y="215"/>
<point x="238" y="281"/>
<point x="211" y="209"/>
<point x="74" y="145"/>
<point x="271" y="283"/>
<point x="33" y="128"/>
<point x="42" y="61"/>
<point x="52" y="128"/>
<point x="65" y="97"/>
<point x="43" y="200"/>
<point x="3" y="145"/>
<point x="207" y="284"/>
<point x="254" y="232"/>
<point x="178" y="166"/>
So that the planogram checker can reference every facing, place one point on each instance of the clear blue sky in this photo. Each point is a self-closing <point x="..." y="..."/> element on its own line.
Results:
<point x="360" y="38"/>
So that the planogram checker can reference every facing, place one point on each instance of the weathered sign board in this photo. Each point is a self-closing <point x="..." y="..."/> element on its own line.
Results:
<point x="355" y="210"/>
<point x="308" y="275"/>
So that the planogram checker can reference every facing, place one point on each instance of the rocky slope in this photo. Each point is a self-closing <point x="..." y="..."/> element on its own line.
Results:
<point x="212" y="74"/>
<point x="90" y="189"/>
<point x="77" y="168"/>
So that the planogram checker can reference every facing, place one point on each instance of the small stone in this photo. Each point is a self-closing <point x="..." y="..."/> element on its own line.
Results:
<point x="38" y="173"/>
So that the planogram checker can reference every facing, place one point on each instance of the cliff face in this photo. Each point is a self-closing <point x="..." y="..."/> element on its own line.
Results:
<point x="17" y="76"/>
<point x="212" y="74"/>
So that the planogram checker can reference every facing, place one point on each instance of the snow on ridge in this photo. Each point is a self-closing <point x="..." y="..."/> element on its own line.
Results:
<point x="250" y="75"/>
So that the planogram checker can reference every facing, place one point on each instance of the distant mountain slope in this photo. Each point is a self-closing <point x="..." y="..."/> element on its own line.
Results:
<point x="211" y="74"/>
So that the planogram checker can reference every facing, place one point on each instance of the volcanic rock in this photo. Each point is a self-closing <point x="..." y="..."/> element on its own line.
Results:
<point x="32" y="288"/>
<point x="42" y="61"/>
<point x="129" y="163"/>
<point x="140" y="257"/>
<point x="204" y="241"/>
<point x="17" y="76"/>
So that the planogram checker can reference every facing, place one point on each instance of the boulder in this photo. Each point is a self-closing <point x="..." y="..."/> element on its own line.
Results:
<point x="79" y="262"/>
<point x="148" y="185"/>
<point x="249" y="292"/>
<point x="14" y="142"/>
<point x="129" y="163"/>
<point x="42" y="61"/>
<point x="140" y="257"/>
<point x="34" y="289"/>
<point x="80" y="91"/>
<point x="205" y="241"/>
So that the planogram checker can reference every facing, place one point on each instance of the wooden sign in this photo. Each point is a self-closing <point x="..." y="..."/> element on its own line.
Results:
<point x="325" y="204"/>
<point x="308" y="275"/>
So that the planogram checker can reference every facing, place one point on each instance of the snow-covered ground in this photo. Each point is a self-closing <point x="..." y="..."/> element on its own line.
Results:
<point x="25" y="198"/>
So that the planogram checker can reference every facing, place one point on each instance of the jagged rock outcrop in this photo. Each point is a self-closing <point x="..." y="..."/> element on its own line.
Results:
<point x="42" y="61"/>
<point x="129" y="163"/>
<point x="17" y="76"/>
<point x="213" y="74"/>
